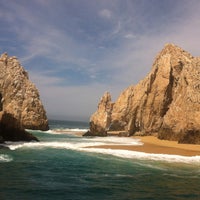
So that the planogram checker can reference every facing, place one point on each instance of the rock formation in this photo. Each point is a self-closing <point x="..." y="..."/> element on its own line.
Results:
<point x="166" y="103"/>
<point x="101" y="119"/>
<point x="20" y="105"/>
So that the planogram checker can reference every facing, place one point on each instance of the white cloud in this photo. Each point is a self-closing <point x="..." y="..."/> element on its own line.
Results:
<point x="129" y="36"/>
<point x="105" y="13"/>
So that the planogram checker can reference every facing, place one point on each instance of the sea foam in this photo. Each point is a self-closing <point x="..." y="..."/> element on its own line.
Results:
<point x="5" y="158"/>
<point x="68" y="130"/>
<point x="78" y="144"/>
<point x="65" y="131"/>
<point x="56" y="145"/>
<point x="95" y="143"/>
<point x="147" y="156"/>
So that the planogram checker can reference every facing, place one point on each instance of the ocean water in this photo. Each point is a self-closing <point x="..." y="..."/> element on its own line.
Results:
<point x="60" y="167"/>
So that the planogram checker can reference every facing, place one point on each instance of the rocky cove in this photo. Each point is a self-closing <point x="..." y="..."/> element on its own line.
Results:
<point x="165" y="104"/>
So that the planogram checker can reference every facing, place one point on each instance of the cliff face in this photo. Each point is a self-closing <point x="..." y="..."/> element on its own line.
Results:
<point x="19" y="98"/>
<point x="166" y="102"/>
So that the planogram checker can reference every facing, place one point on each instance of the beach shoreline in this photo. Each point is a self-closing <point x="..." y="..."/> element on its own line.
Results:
<point x="152" y="144"/>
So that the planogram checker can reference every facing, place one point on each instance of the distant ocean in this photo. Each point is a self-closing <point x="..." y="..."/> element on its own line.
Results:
<point x="59" y="168"/>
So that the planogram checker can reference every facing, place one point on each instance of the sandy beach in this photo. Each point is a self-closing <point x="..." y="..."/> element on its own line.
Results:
<point x="154" y="145"/>
<point x="151" y="144"/>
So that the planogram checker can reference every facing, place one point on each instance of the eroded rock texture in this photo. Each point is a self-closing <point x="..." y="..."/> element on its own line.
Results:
<point x="165" y="103"/>
<point x="19" y="98"/>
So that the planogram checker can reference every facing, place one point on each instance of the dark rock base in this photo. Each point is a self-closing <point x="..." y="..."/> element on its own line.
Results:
<point x="89" y="133"/>
<point x="10" y="130"/>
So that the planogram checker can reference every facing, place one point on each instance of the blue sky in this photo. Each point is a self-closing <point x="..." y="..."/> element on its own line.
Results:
<point x="75" y="50"/>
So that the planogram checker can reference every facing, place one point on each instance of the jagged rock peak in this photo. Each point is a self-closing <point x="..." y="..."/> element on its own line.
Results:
<point x="18" y="95"/>
<point x="172" y="48"/>
<point x="105" y="102"/>
<point x="176" y="52"/>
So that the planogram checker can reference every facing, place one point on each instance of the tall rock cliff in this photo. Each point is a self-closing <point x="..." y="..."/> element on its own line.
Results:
<point x="165" y="103"/>
<point x="19" y="98"/>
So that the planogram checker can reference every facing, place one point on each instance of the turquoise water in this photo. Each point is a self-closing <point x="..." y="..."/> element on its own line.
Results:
<point x="59" y="167"/>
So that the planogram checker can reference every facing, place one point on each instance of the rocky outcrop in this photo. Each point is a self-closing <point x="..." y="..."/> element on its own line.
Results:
<point x="101" y="119"/>
<point x="20" y="105"/>
<point x="166" y="102"/>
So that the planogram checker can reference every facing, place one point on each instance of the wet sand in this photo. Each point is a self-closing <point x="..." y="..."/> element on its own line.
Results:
<point x="154" y="145"/>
